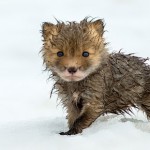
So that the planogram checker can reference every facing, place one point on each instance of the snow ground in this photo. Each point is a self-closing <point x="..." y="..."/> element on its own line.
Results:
<point x="29" y="120"/>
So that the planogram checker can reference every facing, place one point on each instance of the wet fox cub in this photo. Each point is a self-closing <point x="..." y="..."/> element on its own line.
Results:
<point x="89" y="80"/>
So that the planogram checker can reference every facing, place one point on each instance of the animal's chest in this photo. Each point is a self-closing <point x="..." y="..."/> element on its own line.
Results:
<point x="74" y="96"/>
<point x="69" y="92"/>
<point x="73" y="93"/>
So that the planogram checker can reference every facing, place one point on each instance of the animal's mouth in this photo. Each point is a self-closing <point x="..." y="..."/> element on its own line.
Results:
<point x="70" y="75"/>
<point x="72" y="78"/>
<point x="77" y="76"/>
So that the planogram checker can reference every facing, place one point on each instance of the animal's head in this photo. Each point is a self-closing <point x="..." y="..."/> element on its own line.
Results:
<point x="73" y="50"/>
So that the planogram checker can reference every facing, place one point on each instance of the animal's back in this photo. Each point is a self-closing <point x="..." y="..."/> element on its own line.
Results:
<point x="130" y="77"/>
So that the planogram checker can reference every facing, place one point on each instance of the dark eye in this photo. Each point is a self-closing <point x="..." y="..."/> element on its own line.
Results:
<point x="60" y="54"/>
<point x="85" y="54"/>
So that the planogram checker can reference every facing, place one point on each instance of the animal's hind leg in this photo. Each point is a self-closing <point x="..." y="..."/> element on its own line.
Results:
<point x="146" y="104"/>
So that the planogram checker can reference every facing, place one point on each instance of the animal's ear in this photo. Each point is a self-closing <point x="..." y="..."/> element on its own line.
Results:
<point x="98" y="25"/>
<point x="48" y="30"/>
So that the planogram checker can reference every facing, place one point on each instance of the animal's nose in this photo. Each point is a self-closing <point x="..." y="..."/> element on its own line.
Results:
<point x="72" y="70"/>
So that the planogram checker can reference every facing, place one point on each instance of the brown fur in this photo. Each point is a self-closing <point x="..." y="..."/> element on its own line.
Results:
<point x="113" y="83"/>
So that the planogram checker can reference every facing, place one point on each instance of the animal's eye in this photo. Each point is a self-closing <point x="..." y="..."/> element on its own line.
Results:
<point x="60" y="54"/>
<point x="85" y="54"/>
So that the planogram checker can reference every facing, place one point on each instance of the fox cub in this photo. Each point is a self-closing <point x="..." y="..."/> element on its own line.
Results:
<point x="89" y="80"/>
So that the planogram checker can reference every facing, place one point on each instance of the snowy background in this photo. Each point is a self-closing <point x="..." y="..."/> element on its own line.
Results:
<point x="29" y="120"/>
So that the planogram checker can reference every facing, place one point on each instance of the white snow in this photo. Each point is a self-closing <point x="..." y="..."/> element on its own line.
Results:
<point x="29" y="119"/>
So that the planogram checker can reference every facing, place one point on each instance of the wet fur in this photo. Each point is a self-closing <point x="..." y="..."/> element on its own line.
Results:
<point x="117" y="82"/>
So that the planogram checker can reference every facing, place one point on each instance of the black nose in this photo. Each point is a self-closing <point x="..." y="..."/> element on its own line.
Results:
<point x="72" y="70"/>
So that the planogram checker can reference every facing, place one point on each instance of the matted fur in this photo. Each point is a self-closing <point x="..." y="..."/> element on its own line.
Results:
<point x="114" y="83"/>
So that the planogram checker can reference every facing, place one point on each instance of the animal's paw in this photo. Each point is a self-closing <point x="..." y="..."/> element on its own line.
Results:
<point x="72" y="131"/>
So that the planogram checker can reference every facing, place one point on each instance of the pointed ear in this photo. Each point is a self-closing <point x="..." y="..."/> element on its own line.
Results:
<point x="98" y="25"/>
<point x="48" y="30"/>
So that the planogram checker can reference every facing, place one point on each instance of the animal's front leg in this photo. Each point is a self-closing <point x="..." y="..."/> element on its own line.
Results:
<point x="72" y="114"/>
<point x="88" y="115"/>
